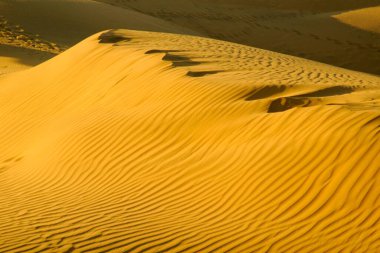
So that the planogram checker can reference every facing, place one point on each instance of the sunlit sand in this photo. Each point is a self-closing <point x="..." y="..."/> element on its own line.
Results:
<point x="157" y="139"/>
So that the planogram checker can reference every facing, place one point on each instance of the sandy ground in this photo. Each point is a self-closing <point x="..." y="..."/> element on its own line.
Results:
<point x="308" y="33"/>
<point x="13" y="58"/>
<point x="146" y="142"/>
<point x="147" y="139"/>
<point x="304" y="5"/>
<point x="55" y="25"/>
<point x="337" y="33"/>
<point x="366" y="19"/>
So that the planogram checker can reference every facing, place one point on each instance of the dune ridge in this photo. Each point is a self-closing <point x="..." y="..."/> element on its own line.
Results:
<point x="48" y="27"/>
<point x="338" y="32"/>
<point x="307" y="29"/>
<point x="366" y="18"/>
<point x="144" y="142"/>
<point x="309" y="5"/>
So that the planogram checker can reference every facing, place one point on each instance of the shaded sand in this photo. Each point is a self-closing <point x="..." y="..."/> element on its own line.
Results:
<point x="14" y="58"/>
<point x="308" y="29"/>
<point x="55" y="25"/>
<point x="309" y="5"/>
<point x="68" y="22"/>
<point x="311" y="33"/>
<point x="367" y="19"/>
<point x="146" y="142"/>
<point x="15" y="35"/>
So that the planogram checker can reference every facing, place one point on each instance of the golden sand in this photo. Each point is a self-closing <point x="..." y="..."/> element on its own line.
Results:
<point x="43" y="28"/>
<point x="146" y="139"/>
<point x="336" y="32"/>
<point x="367" y="19"/>
<point x="138" y="141"/>
<point x="303" y="28"/>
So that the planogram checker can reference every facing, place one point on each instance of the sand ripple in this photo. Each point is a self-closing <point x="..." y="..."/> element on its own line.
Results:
<point x="147" y="142"/>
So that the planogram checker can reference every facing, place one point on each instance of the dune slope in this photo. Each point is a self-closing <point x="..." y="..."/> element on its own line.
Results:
<point x="146" y="142"/>
<point x="14" y="58"/>
<point x="367" y="19"/>
<point x="310" y="5"/>
<point x="51" y="26"/>
<point x="313" y="33"/>
<point x="307" y="29"/>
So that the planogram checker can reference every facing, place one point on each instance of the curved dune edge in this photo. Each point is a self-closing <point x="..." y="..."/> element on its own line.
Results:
<point x="302" y="28"/>
<point x="140" y="141"/>
<point x="31" y="30"/>
<point x="14" y="59"/>
<point x="367" y="19"/>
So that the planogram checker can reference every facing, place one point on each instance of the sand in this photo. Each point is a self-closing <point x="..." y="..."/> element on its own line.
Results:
<point x="14" y="58"/>
<point x="367" y="19"/>
<point x="310" y="29"/>
<point x="307" y="29"/>
<point x="201" y="126"/>
<point x="55" y="25"/>
<point x="137" y="141"/>
<point x="306" y="5"/>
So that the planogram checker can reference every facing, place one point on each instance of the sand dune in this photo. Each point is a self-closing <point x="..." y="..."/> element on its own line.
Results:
<point x="145" y="142"/>
<point x="15" y="35"/>
<point x="310" y="5"/>
<point x="317" y="30"/>
<point x="313" y="32"/>
<point x="55" y="25"/>
<point x="14" y="58"/>
<point x="367" y="19"/>
<point x="75" y="20"/>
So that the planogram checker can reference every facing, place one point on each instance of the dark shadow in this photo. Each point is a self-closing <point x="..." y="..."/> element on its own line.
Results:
<point x="284" y="104"/>
<point x="180" y="61"/>
<point x="328" y="92"/>
<point x="159" y="51"/>
<point x="177" y="60"/>
<point x="112" y="36"/>
<point x="265" y="92"/>
<point x="25" y="56"/>
<point x="202" y="73"/>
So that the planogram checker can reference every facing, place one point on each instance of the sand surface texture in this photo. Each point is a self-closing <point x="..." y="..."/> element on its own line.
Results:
<point x="44" y="28"/>
<point x="365" y="19"/>
<point x="342" y="33"/>
<point x="303" y="28"/>
<point x="138" y="141"/>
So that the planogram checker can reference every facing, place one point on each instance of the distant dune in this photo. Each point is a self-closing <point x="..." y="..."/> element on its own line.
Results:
<point x="55" y="25"/>
<point x="13" y="58"/>
<point x="68" y="22"/>
<point x="138" y="141"/>
<point x="367" y="19"/>
<point x="198" y="126"/>
<point x="309" y="5"/>
<point x="305" y="29"/>
<point x="312" y="29"/>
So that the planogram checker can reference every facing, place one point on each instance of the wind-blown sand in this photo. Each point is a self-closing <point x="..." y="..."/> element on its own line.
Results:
<point x="336" y="32"/>
<point x="310" y="5"/>
<point x="145" y="142"/>
<point x="14" y="58"/>
<point x="303" y="28"/>
<point x="367" y="19"/>
<point x="54" y="25"/>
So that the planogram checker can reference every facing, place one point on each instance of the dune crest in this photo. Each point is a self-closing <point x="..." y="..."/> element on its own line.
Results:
<point x="145" y="142"/>
<point x="303" y="28"/>
<point x="311" y="29"/>
<point x="48" y="27"/>
<point x="367" y="19"/>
